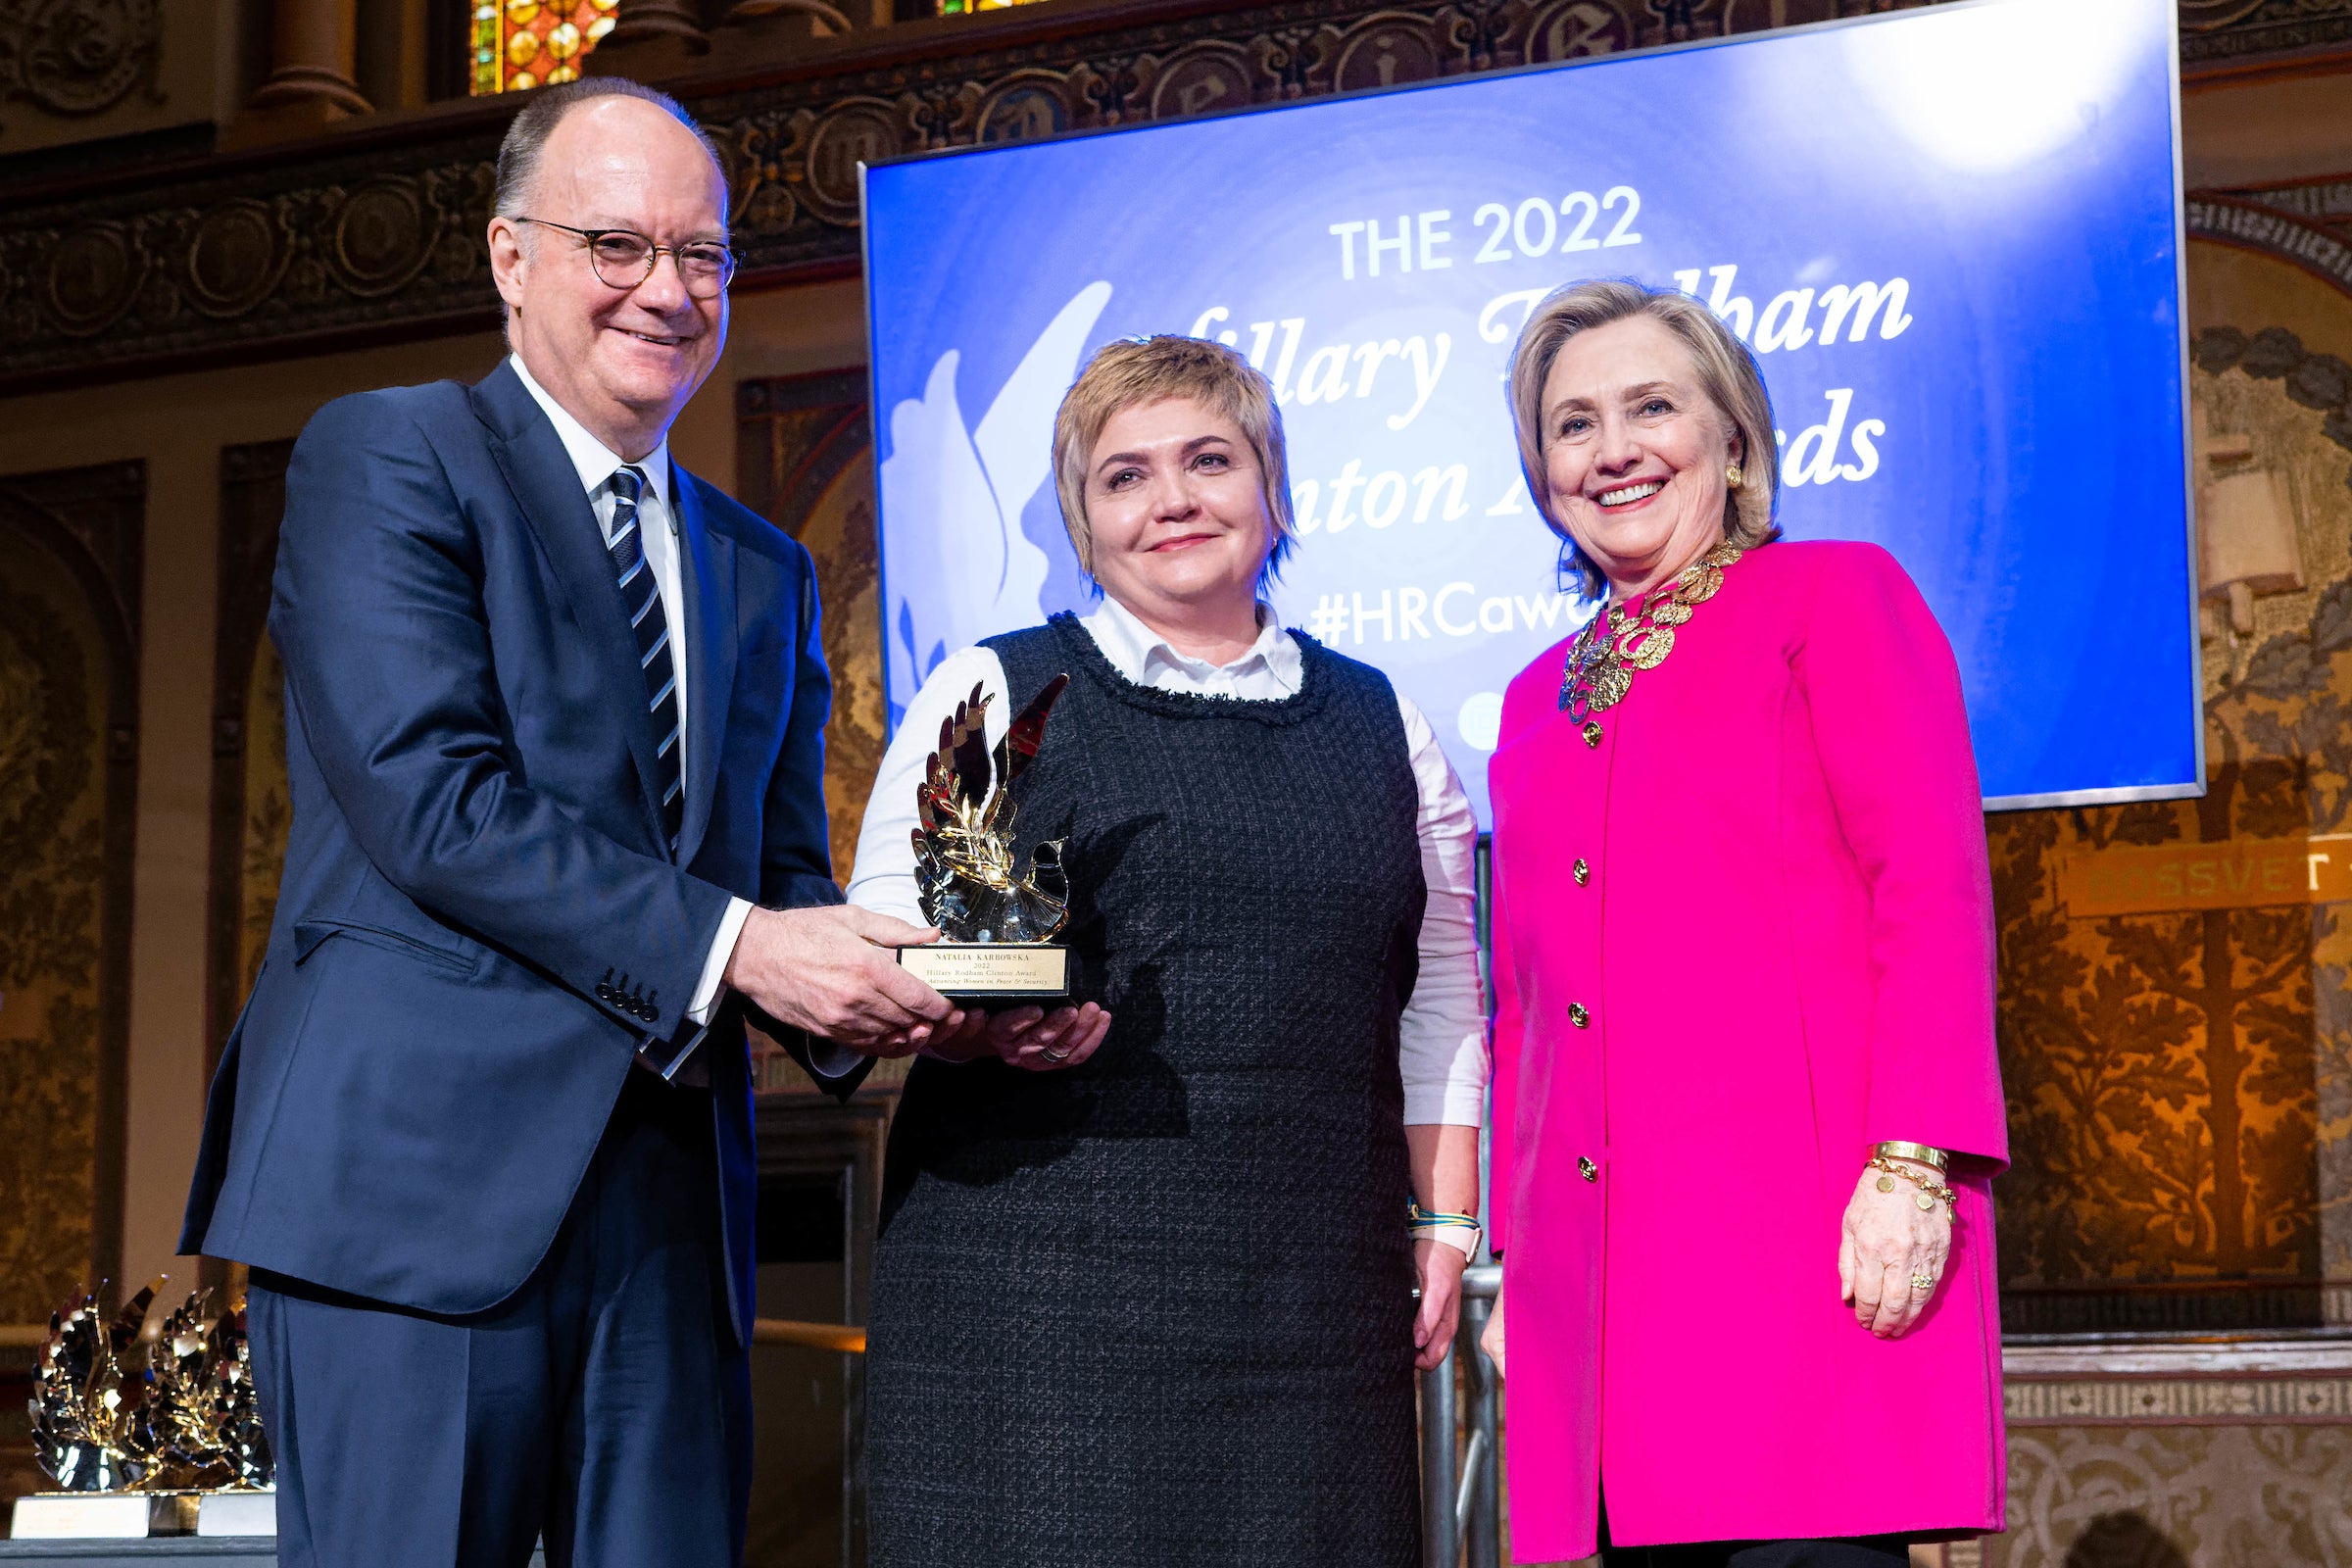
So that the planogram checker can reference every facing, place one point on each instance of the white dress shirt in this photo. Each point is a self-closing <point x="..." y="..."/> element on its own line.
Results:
<point x="1442" y="1050"/>
<point x="658" y="529"/>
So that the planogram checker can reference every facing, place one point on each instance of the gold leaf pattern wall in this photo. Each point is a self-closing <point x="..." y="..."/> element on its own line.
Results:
<point x="69" y="559"/>
<point x="2180" y="1074"/>
<point x="52" y="769"/>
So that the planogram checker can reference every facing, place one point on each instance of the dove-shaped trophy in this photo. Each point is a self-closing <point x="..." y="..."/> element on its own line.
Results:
<point x="995" y="925"/>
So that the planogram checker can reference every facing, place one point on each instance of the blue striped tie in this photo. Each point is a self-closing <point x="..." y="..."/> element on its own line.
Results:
<point x="641" y="598"/>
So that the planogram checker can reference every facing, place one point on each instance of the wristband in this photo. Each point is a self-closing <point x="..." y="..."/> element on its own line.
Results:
<point x="1459" y="1231"/>
<point x="1463" y="1240"/>
<point x="1925" y="1154"/>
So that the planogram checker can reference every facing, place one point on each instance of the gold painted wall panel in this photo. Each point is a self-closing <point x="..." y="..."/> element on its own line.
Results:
<point x="52" y="864"/>
<point x="2179" y="1074"/>
<point x="70" y="542"/>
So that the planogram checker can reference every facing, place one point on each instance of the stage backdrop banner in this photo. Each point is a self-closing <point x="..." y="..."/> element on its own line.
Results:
<point x="1952" y="235"/>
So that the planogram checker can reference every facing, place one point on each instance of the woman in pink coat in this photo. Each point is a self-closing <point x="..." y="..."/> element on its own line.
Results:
<point x="1747" y="1104"/>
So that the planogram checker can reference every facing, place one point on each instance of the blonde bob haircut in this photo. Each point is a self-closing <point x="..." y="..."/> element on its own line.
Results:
<point x="1727" y="376"/>
<point x="1134" y="371"/>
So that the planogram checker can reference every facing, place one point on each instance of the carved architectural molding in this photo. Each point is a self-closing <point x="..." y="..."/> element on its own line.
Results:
<point x="287" y="255"/>
<point x="78" y="57"/>
<point x="2305" y="223"/>
<point x="2220" y="32"/>
<point x="380" y="234"/>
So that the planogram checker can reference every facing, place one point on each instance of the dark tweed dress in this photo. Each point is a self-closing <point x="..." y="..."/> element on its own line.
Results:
<point x="1156" y="1309"/>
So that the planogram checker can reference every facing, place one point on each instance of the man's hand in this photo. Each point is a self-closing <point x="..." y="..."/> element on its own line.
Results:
<point x="821" y="969"/>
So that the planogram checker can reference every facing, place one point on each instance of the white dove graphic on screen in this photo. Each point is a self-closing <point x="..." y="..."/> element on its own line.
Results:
<point x="957" y="567"/>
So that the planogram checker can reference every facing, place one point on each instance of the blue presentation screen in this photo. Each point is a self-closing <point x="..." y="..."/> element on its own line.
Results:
<point x="1951" y="235"/>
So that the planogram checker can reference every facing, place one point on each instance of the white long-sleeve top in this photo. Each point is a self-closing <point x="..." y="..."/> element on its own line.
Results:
<point x="1442" y="1050"/>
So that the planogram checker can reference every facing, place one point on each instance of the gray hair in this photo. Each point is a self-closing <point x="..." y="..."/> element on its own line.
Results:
<point x="1727" y="375"/>
<point x="526" y="138"/>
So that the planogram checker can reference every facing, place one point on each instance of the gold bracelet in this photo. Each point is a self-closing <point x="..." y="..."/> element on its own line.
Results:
<point x="1929" y="1192"/>
<point x="1925" y="1154"/>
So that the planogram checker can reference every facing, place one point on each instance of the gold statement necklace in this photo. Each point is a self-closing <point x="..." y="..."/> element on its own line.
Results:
<point x="1618" y="641"/>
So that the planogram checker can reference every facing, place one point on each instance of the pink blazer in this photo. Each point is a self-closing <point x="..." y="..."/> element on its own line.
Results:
<point x="1780" y="953"/>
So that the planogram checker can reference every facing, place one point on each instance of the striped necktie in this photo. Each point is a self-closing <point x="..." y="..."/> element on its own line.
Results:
<point x="641" y="598"/>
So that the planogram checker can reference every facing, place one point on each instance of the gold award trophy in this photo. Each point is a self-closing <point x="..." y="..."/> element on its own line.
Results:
<point x="174" y="1450"/>
<point x="995" y="926"/>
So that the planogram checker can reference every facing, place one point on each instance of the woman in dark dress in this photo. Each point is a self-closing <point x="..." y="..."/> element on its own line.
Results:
<point x="1153" y="1305"/>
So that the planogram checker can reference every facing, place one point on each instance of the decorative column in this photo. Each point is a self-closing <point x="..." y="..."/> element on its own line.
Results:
<point x="313" y="56"/>
<point x="830" y="19"/>
<point x="652" y="21"/>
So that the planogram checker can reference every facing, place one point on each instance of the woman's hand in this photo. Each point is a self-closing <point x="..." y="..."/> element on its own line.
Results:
<point x="1888" y="1240"/>
<point x="1028" y="1038"/>
<point x="1491" y="1341"/>
<point x="1438" y="1268"/>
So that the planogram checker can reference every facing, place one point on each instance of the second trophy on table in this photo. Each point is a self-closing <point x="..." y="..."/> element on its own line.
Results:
<point x="995" y="925"/>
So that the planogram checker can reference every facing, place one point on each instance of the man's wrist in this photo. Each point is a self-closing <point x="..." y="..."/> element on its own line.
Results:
<point x="719" y="963"/>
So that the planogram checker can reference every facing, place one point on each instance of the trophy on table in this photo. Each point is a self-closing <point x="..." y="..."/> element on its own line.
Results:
<point x="996" y="924"/>
<point x="173" y="1447"/>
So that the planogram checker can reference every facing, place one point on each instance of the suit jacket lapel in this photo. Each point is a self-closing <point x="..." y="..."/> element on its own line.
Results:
<point x="547" y="488"/>
<point x="708" y="578"/>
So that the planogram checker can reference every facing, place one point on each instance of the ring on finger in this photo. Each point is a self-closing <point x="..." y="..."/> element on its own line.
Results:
<point x="1057" y="1058"/>
<point x="1922" y="1280"/>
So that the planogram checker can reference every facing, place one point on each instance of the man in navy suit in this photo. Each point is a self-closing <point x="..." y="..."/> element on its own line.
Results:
<point x="554" y="714"/>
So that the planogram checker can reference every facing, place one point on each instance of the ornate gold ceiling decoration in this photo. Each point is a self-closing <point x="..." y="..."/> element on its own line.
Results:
<point x="379" y="234"/>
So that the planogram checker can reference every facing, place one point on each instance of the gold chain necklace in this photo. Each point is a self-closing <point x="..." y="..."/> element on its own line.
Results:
<point x="1617" y="642"/>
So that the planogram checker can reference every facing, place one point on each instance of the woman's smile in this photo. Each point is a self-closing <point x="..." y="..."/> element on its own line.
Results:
<point x="1628" y="496"/>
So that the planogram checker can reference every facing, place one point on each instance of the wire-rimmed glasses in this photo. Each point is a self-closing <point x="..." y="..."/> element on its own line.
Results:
<point x="623" y="258"/>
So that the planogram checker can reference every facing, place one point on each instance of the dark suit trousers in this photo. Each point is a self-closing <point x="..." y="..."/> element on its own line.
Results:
<point x="605" y="1405"/>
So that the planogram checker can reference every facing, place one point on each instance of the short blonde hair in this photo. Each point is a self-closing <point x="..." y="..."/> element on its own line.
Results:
<point x="1133" y="372"/>
<point x="1727" y="375"/>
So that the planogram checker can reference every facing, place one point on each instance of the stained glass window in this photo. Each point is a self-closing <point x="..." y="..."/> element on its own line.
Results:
<point x="528" y="43"/>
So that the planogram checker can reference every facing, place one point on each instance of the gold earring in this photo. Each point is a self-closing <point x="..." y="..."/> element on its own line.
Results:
<point x="1731" y="476"/>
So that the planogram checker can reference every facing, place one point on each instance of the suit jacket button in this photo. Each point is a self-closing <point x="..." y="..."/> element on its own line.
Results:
<point x="1587" y="1169"/>
<point x="1577" y="1014"/>
<point x="1581" y="871"/>
<point x="603" y="992"/>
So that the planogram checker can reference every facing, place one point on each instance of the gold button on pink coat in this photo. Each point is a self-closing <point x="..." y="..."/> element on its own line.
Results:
<point x="1736" y="943"/>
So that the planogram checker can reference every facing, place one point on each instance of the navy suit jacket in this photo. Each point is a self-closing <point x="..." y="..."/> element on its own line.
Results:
<point x="476" y="883"/>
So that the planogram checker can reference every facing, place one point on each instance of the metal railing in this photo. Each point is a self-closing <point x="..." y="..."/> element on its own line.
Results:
<point x="1461" y="1441"/>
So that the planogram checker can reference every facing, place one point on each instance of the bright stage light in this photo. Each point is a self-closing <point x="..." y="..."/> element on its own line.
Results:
<point x="1968" y="89"/>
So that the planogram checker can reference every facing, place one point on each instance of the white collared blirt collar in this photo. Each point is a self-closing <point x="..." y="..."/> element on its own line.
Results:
<point x="590" y="459"/>
<point x="1132" y="647"/>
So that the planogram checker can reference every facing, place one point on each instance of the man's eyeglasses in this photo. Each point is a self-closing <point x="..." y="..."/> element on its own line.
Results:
<point x="624" y="259"/>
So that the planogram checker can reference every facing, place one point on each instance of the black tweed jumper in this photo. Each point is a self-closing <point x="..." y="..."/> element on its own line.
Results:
<point x="1156" y="1309"/>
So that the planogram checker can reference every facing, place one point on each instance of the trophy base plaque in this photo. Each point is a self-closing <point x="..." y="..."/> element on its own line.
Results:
<point x="237" y="1514"/>
<point x="103" y="1515"/>
<point x="999" y="972"/>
